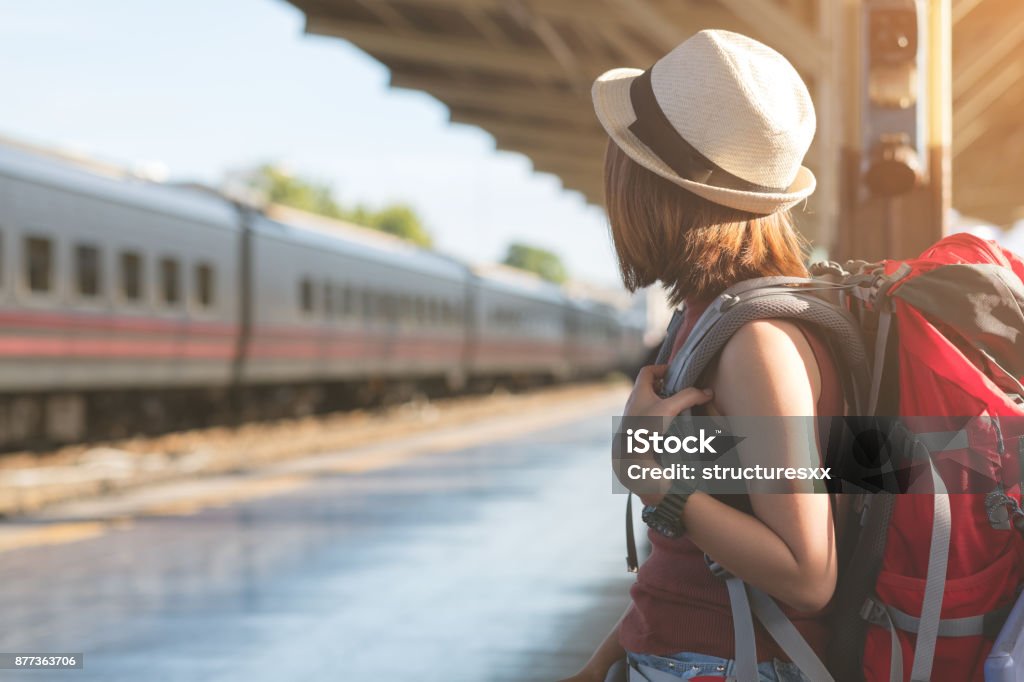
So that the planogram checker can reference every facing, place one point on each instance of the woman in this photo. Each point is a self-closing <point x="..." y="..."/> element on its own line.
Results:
<point x="703" y="165"/>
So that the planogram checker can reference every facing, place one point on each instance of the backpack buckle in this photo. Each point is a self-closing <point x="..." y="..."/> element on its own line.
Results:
<point x="716" y="568"/>
<point x="882" y="283"/>
<point x="874" y="612"/>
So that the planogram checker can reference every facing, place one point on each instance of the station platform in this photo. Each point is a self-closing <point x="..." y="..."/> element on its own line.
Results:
<point x="490" y="550"/>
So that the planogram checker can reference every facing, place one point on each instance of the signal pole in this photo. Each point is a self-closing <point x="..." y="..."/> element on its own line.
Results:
<point x="895" y="197"/>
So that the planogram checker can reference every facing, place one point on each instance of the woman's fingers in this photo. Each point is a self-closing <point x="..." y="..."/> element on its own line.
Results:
<point x="657" y="371"/>
<point x="650" y="373"/>
<point x="687" y="398"/>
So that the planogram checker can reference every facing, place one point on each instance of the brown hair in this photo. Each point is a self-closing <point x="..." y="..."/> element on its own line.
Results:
<point x="696" y="248"/>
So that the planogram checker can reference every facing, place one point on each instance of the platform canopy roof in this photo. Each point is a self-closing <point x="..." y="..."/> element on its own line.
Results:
<point x="522" y="69"/>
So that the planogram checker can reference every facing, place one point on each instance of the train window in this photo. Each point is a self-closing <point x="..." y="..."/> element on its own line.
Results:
<point x="39" y="263"/>
<point x="204" y="284"/>
<point x="346" y="300"/>
<point x="306" y="295"/>
<point x="368" y="310"/>
<point x="87" y="270"/>
<point x="328" y="299"/>
<point x="131" y="275"/>
<point x="170" y="281"/>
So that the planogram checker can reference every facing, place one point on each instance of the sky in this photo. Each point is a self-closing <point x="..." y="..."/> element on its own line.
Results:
<point x="203" y="87"/>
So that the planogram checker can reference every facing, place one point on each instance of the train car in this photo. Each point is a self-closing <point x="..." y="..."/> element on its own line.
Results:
<point x="128" y="305"/>
<point x="518" y="326"/>
<point x="334" y="302"/>
<point x="107" y="284"/>
<point x="632" y="351"/>
<point x="593" y="338"/>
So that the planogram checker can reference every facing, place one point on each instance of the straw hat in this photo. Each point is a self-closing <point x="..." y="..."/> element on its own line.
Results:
<point x="721" y="115"/>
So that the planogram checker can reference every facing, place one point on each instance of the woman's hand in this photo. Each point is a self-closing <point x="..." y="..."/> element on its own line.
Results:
<point x="644" y="400"/>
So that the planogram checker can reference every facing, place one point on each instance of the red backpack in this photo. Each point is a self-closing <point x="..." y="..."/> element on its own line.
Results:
<point x="927" y="580"/>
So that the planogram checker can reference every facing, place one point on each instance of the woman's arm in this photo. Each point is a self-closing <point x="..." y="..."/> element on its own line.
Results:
<point x="788" y="547"/>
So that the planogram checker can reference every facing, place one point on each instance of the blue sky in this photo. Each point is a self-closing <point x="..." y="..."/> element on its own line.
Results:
<point x="205" y="86"/>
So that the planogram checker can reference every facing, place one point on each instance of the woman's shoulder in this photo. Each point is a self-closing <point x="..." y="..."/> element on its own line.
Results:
<point x="767" y="367"/>
<point x="769" y="338"/>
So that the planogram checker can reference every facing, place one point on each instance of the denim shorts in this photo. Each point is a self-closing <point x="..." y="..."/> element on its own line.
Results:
<point x="688" y="665"/>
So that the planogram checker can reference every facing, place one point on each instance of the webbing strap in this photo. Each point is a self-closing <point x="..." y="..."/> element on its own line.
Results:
<point x="632" y="560"/>
<point x="986" y="624"/>
<point x="943" y="441"/>
<point x="787" y="636"/>
<point x="881" y="342"/>
<point x="935" y="582"/>
<point x="896" y="649"/>
<point x="743" y="631"/>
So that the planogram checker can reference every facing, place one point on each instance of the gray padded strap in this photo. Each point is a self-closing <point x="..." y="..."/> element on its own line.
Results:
<point x="726" y="315"/>
<point x="935" y="583"/>
<point x="787" y="636"/>
<point x="743" y="630"/>
<point x="776" y="281"/>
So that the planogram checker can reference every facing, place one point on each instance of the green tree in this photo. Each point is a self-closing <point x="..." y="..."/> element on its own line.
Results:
<point x="401" y="221"/>
<point x="281" y="187"/>
<point x="539" y="261"/>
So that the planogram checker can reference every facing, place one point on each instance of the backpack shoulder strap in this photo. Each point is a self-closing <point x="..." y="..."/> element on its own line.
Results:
<point x="670" y="336"/>
<point x="773" y="298"/>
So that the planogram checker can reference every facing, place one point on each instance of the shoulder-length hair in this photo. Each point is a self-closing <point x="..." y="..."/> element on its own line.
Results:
<point x="694" y="247"/>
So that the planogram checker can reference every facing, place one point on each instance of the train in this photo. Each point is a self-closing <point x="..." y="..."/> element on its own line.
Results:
<point x="129" y="305"/>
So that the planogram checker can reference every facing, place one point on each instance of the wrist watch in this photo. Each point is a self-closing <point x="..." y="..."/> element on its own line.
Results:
<point x="667" y="516"/>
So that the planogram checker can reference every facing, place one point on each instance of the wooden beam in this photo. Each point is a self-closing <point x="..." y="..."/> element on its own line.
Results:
<point x="488" y="29"/>
<point x="1005" y="197"/>
<point x="805" y="48"/>
<point x="512" y="132"/>
<point x="664" y="32"/>
<point x="970" y="111"/>
<point x="387" y="14"/>
<point x="437" y="49"/>
<point x="549" y="36"/>
<point x="570" y="164"/>
<point x="1005" y="142"/>
<point x="961" y="8"/>
<point x="993" y="54"/>
<point x="575" y="10"/>
<point x="638" y="54"/>
<point x="552" y="147"/>
<point x="539" y="102"/>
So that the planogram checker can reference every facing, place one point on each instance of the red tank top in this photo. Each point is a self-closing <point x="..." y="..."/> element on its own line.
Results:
<point x="677" y="604"/>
